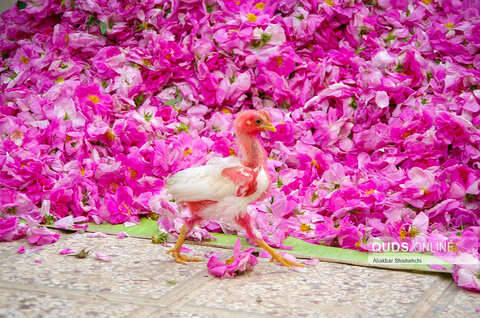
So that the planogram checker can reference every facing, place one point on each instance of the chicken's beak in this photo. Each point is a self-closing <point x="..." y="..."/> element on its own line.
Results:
<point x="269" y="126"/>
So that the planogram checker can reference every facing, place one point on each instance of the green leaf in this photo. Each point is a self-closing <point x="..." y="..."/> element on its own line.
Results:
<point x="103" y="27"/>
<point x="91" y="20"/>
<point x="159" y="238"/>
<point x="49" y="219"/>
<point x="167" y="12"/>
<point x="264" y="38"/>
<point x="172" y="102"/>
<point x="110" y="23"/>
<point x="21" y="5"/>
<point x="210" y="7"/>
<point x="139" y="99"/>
<point x="363" y="30"/>
<point x="390" y="37"/>
<point x="147" y="117"/>
<point x="353" y="103"/>
<point x="232" y="78"/>
<point x="183" y="127"/>
<point x="314" y="196"/>
<point x="470" y="196"/>
<point x="147" y="228"/>
<point x="279" y="183"/>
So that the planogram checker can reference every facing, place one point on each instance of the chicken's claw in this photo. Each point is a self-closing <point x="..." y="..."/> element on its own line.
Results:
<point x="179" y="258"/>
<point x="277" y="256"/>
<point x="284" y="261"/>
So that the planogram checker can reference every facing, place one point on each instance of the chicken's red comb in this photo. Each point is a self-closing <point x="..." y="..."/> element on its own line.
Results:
<point x="265" y="114"/>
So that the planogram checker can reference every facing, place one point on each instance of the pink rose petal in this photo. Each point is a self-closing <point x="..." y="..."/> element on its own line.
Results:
<point x="66" y="251"/>
<point x="102" y="257"/>
<point x="216" y="254"/>
<point x="64" y="223"/>
<point x="382" y="99"/>
<point x="41" y="236"/>
<point x="241" y="261"/>
<point x="311" y="262"/>
<point x="122" y="235"/>
<point x="81" y="226"/>
<point x="97" y="235"/>
<point x="438" y="267"/>
<point x="264" y="254"/>
<point x="33" y="249"/>
<point x="185" y="249"/>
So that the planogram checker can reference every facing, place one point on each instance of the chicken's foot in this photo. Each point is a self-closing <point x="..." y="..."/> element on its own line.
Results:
<point x="277" y="256"/>
<point x="176" y="249"/>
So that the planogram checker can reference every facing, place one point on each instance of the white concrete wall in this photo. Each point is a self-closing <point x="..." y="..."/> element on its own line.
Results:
<point x="5" y="4"/>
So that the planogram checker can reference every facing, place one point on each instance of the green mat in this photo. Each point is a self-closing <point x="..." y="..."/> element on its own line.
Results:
<point x="147" y="228"/>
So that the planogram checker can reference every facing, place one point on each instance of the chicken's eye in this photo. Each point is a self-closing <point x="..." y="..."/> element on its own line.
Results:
<point x="258" y="121"/>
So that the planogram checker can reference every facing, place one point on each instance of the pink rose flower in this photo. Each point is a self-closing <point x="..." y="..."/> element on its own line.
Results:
<point x="240" y="262"/>
<point x="42" y="236"/>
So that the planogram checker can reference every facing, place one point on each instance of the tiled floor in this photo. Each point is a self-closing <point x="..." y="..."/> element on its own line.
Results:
<point x="142" y="281"/>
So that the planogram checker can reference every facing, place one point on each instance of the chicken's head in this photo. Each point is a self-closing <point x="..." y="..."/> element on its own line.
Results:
<point x="253" y="122"/>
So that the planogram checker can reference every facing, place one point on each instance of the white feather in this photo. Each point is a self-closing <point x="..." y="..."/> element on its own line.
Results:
<point x="203" y="183"/>
<point x="227" y="208"/>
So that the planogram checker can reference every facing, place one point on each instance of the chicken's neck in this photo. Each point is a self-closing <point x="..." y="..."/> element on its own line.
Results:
<point x="251" y="150"/>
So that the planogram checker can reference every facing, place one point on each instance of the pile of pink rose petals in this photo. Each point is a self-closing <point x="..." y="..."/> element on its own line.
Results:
<point x="376" y="104"/>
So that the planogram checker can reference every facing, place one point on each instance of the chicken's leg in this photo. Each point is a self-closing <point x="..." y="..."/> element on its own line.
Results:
<point x="176" y="249"/>
<point x="245" y="221"/>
